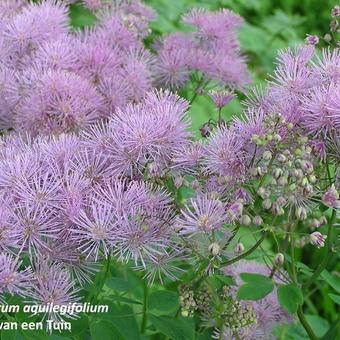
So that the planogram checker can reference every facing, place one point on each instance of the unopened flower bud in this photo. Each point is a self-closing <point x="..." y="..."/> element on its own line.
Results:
<point x="267" y="155"/>
<point x="281" y="158"/>
<point x="239" y="248"/>
<point x="261" y="192"/>
<point x="308" y="190"/>
<point x="178" y="181"/>
<point x="214" y="249"/>
<point x="312" y="179"/>
<point x="304" y="181"/>
<point x="267" y="203"/>
<point x="205" y="130"/>
<point x="307" y="167"/>
<point x="297" y="163"/>
<point x="317" y="239"/>
<point x="255" y="138"/>
<point x="327" y="37"/>
<point x="335" y="11"/>
<point x="195" y="184"/>
<point x="279" y="259"/>
<point x="257" y="220"/>
<point x="235" y="211"/>
<point x="277" y="210"/>
<point x="301" y="213"/>
<point x="273" y="181"/>
<point x="323" y="220"/>
<point x="312" y="40"/>
<point x="333" y="25"/>
<point x="315" y="223"/>
<point x="282" y="181"/>
<point x="277" y="138"/>
<point x="277" y="173"/>
<point x="331" y="198"/>
<point x="245" y="220"/>
<point x="269" y="137"/>
<point x="281" y="201"/>
<point x="290" y="126"/>
<point x="298" y="152"/>
<point x="261" y="170"/>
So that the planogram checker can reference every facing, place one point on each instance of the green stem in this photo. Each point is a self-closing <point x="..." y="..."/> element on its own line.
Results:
<point x="300" y="314"/>
<point x="327" y="255"/>
<point x="328" y="172"/>
<point x="292" y="255"/>
<point x="219" y="117"/>
<point x="305" y="324"/>
<point x="246" y="253"/>
<point x="93" y="296"/>
<point x="199" y="83"/>
<point x="145" y="301"/>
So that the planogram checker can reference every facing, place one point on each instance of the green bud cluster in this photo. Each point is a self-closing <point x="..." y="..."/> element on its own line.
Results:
<point x="203" y="299"/>
<point x="187" y="301"/>
<point x="237" y="316"/>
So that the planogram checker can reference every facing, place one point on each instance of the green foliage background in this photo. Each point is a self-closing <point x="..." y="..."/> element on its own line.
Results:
<point x="139" y="312"/>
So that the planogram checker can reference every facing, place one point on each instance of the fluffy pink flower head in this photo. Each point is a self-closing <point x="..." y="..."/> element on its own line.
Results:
<point x="221" y="98"/>
<point x="204" y="216"/>
<point x="60" y="102"/>
<point x="224" y="155"/>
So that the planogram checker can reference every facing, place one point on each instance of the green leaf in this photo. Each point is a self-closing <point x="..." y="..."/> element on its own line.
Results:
<point x="123" y="319"/>
<point x="81" y="16"/>
<point x="333" y="330"/>
<point x="174" y="328"/>
<point x="335" y="298"/>
<point x="290" y="297"/>
<point x="163" y="302"/>
<point x="256" y="287"/>
<point x="102" y="329"/>
<point x="318" y="324"/>
<point x="332" y="280"/>
<point x="118" y="284"/>
<point x="219" y="280"/>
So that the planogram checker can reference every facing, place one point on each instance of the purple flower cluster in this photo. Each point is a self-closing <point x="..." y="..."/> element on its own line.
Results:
<point x="212" y="49"/>
<point x="98" y="158"/>
<point x="54" y="80"/>
<point x="304" y="91"/>
<point x="68" y="201"/>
